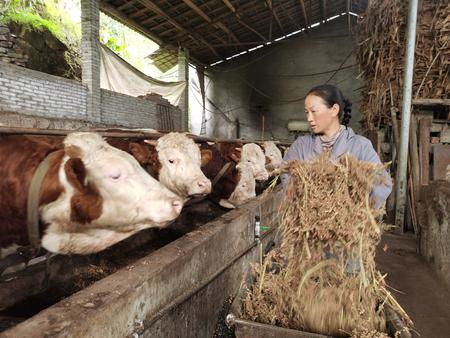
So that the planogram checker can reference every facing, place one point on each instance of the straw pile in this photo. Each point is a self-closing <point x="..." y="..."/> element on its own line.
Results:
<point x="322" y="278"/>
<point x="381" y="36"/>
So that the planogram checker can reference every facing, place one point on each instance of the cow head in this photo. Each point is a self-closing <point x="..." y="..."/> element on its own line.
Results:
<point x="245" y="187"/>
<point x="104" y="189"/>
<point x="180" y="161"/>
<point x="273" y="155"/>
<point x="253" y="155"/>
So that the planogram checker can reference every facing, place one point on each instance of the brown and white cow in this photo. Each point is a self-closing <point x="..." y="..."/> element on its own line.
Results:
<point x="92" y="196"/>
<point x="274" y="158"/>
<point x="174" y="159"/>
<point x="237" y="184"/>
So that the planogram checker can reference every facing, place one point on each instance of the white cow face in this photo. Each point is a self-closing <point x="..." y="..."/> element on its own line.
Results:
<point x="245" y="188"/>
<point x="253" y="155"/>
<point x="273" y="155"/>
<point x="106" y="188"/>
<point x="180" y="160"/>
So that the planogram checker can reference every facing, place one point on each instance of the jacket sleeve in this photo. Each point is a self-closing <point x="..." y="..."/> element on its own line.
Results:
<point x="294" y="153"/>
<point x="381" y="191"/>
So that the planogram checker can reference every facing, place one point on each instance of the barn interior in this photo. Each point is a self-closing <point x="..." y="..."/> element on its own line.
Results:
<point x="233" y="72"/>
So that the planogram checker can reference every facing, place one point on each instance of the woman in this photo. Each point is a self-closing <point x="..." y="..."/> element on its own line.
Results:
<point x="328" y="113"/>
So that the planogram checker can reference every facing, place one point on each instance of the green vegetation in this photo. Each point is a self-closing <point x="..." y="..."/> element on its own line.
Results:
<point x="62" y="19"/>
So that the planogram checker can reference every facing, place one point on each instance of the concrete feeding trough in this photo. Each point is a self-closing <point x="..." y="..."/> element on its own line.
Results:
<point x="177" y="290"/>
<point x="250" y="329"/>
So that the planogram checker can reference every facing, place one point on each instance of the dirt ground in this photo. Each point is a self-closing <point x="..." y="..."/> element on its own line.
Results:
<point x="423" y="295"/>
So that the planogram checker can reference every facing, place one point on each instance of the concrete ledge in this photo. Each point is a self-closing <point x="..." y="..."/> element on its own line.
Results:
<point x="175" y="291"/>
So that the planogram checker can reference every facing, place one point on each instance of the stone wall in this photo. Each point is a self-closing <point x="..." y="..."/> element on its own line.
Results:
<point x="434" y="220"/>
<point x="10" y="50"/>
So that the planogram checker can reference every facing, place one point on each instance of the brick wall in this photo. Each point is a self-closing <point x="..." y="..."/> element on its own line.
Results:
<point x="47" y="100"/>
<point x="35" y="93"/>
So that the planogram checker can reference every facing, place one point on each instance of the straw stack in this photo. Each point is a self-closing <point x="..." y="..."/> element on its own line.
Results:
<point x="381" y="36"/>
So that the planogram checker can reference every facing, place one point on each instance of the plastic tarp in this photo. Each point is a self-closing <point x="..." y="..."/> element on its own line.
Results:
<point x="119" y="76"/>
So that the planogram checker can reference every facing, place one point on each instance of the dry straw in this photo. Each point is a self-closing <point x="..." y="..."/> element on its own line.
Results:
<point x="322" y="278"/>
<point x="381" y="36"/>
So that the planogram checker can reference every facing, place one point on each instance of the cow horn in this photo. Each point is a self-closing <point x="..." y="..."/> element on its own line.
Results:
<point x="238" y="149"/>
<point x="151" y="142"/>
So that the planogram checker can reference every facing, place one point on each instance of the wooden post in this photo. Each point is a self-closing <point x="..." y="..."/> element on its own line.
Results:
<point x="424" y="150"/>
<point x="413" y="153"/>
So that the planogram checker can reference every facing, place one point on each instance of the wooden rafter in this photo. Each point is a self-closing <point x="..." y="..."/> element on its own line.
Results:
<point x="274" y="14"/>
<point x="205" y="16"/>
<point x="288" y="14"/>
<point x="305" y="17"/>
<point x="119" y="16"/>
<point x="154" y="8"/>
<point x="240" y="44"/>
<point x="138" y="13"/>
<point x="125" y="5"/>
<point x="232" y="8"/>
<point x="238" y="18"/>
<point x="324" y="9"/>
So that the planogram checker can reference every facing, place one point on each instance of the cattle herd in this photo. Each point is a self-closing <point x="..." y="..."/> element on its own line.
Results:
<point x="95" y="191"/>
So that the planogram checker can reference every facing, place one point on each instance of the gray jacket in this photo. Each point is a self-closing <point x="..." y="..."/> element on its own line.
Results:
<point x="309" y="146"/>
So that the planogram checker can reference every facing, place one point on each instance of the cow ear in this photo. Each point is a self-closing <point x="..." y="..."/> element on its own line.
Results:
<point x="73" y="151"/>
<point x="235" y="157"/>
<point x="206" y="156"/>
<point x="139" y="152"/>
<point x="76" y="173"/>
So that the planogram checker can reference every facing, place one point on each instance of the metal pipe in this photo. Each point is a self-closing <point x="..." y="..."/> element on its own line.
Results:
<point x="401" y="188"/>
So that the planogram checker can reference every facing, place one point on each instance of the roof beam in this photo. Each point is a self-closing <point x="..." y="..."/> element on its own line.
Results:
<point x="305" y="17"/>
<point x="205" y="16"/>
<point x="238" y="18"/>
<point x="274" y="14"/>
<point x="324" y="9"/>
<point x="154" y="8"/>
<point x="236" y="44"/>
<point x="124" y="19"/>
<point x="231" y="8"/>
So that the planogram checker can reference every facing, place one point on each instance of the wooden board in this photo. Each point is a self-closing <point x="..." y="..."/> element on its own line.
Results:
<point x="248" y="329"/>
<point x="424" y="150"/>
<point x="441" y="159"/>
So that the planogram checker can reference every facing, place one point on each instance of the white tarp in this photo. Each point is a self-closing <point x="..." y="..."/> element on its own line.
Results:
<point x="119" y="76"/>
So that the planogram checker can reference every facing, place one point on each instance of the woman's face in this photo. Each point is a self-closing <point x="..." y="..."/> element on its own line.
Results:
<point x="319" y="116"/>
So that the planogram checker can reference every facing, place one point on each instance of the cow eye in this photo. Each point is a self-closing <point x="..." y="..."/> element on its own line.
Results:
<point x="171" y="161"/>
<point x="248" y="161"/>
<point x="115" y="177"/>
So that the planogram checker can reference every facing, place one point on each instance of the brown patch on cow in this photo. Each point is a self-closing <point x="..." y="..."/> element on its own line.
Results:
<point x="229" y="151"/>
<point x="147" y="156"/>
<point x="86" y="203"/>
<point x="21" y="155"/>
<point x="206" y="155"/>
<point x="144" y="153"/>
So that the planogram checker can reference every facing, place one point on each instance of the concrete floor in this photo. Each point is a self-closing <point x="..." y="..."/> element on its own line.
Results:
<point x="424" y="296"/>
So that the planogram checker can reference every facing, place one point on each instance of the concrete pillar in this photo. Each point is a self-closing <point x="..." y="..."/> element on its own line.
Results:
<point x="90" y="56"/>
<point x="183" y="75"/>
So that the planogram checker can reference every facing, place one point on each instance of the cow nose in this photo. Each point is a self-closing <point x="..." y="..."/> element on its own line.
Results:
<point x="204" y="185"/>
<point x="177" y="205"/>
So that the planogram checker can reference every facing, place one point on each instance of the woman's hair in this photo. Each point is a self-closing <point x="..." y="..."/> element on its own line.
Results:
<point x="332" y="95"/>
